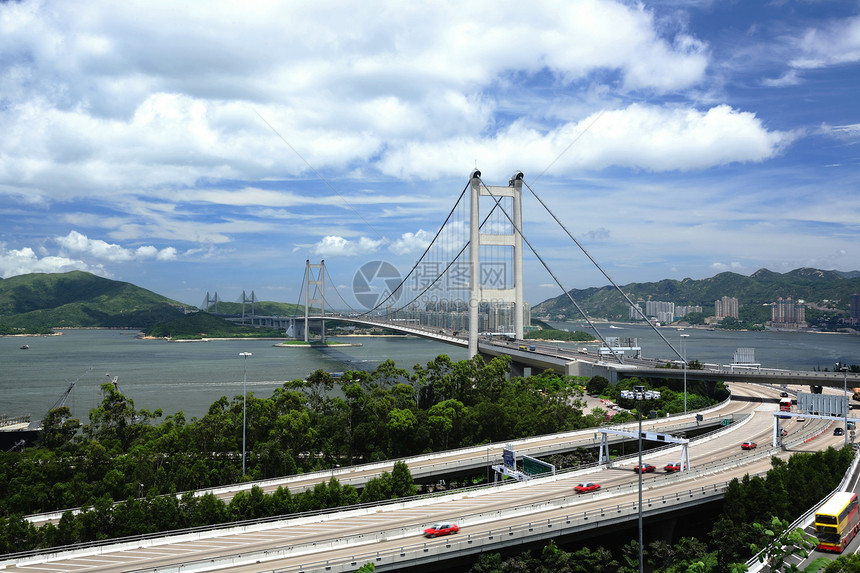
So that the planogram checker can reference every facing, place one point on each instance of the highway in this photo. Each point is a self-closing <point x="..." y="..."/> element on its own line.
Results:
<point x="295" y="544"/>
<point x="473" y="458"/>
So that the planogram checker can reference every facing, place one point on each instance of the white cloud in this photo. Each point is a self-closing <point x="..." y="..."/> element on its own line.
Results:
<point x="851" y="131"/>
<point x="837" y="43"/>
<point x="789" y="78"/>
<point x="734" y="267"/>
<point x="654" y="138"/>
<point x="24" y="261"/>
<point x="410" y="243"/>
<point x="332" y="246"/>
<point x="78" y="243"/>
<point x="176" y="101"/>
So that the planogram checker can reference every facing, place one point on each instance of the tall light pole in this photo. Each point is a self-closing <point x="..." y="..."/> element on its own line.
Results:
<point x="844" y="368"/>
<point x="640" y="394"/>
<point x="684" y="338"/>
<point x="244" y="356"/>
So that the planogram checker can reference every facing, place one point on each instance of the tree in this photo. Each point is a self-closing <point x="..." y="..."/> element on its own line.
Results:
<point x="58" y="428"/>
<point x="402" y="484"/>
<point x="596" y="385"/>
<point x="782" y="543"/>
<point x="444" y="419"/>
<point x="842" y="564"/>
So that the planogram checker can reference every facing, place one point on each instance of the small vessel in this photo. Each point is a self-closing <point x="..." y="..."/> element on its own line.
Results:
<point x="20" y="431"/>
<point x="25" y="347"/>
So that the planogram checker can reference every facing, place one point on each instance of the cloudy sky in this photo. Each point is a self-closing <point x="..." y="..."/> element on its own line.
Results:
<point x="194" y="147"/>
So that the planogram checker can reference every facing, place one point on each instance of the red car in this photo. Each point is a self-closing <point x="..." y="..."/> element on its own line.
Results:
<point x="441" y="528"/>
<point x="586" y="487"/>
<point x="749" y="446"/>
<point x="672" y="467"/>
<point x="645" y="468"/>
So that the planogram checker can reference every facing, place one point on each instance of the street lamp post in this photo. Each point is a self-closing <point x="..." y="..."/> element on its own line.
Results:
<point x="640" y="394"/>
<point x="844" y="368"/>
<point x="684" y="338"/>
<point x="244" y="356"/>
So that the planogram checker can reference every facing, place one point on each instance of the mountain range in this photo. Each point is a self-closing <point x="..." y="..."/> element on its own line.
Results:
<point x="80" y="299"/>
<point x="818" y="288"/>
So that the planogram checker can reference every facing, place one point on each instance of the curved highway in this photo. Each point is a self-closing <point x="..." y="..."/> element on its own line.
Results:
<point x="292" y="544"/>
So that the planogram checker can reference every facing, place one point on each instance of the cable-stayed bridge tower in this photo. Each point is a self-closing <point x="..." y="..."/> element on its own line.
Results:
<point x="210" y="302"/>
<point x="246" y="299"/>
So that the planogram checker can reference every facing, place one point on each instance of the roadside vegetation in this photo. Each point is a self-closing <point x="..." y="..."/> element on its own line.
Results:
<point x="144" y="459"/>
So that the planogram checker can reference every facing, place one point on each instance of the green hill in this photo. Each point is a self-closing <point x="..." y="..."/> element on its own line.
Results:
<point x="37" y="301"/>
<point x="762" y="287"/>
<point x="205" y="325"/>
<point x="263" y="308"/>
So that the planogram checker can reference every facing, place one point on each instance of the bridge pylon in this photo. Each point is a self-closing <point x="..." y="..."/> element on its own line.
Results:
<point x="318" y="282"/>
<point x="251" y="300"/>
<point x="210" y="301"/>
<point x="513" y="240"/>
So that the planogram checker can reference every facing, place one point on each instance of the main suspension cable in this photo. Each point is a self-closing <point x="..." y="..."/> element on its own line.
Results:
<point x="605" y="274"/>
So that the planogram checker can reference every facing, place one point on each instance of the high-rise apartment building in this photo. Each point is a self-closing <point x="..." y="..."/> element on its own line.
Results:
<point x="682" y="311"/>
<point x="726" y="307"/>
<point x="786" y="313"/>
<point x="855" y="308"/>
<point x="655" y="307"/>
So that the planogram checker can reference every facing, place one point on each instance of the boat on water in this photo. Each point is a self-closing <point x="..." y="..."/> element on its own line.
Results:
<point x="25" y="347"/>
<point x="18" y="432"/>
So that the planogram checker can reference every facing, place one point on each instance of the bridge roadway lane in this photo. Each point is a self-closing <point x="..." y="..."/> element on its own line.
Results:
<point x="409" y="519"/>
<point x="473" y="458"/>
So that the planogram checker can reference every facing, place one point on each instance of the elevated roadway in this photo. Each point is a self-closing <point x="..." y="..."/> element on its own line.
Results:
<point x="429" y="467"/>
<point x="580" y="362"/>
<point x="389" y="535"/>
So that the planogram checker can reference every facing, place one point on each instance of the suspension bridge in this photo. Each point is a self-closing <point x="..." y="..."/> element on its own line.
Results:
<point x="466" y="289"/>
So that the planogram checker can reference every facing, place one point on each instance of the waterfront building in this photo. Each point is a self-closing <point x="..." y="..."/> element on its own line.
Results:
<point x="855" y="308"/>
<point x="726" y="307"/>
<point x="682" y="311"/>
<point x="788" y="314"/>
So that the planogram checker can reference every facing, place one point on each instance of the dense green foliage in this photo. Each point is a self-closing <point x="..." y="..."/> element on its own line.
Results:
<point x="42" y="301"/>
<point x="152" y="514"/>
<point x="204" y="325"/>
<point x="756" y="511"/>
<point x="305" y="425"/>
<point x="563" y="335"/>
<point x="762" y="287"/>
<point x="318" y="423"/>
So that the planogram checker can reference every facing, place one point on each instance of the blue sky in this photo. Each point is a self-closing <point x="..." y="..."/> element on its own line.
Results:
<point x="194" y="147"/>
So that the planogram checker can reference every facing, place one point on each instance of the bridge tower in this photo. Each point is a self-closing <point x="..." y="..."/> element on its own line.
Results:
<point x="251" y="300"/>
<point x="318" y="282"/>
<point x="513" y="240"/>
<point x="213" y="300"/>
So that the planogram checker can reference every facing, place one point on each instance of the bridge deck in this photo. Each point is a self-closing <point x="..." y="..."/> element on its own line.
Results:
<point x="508" y="514"/>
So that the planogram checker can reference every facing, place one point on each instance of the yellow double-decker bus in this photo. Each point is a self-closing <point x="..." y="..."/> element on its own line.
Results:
<point x="837" y="521"/>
